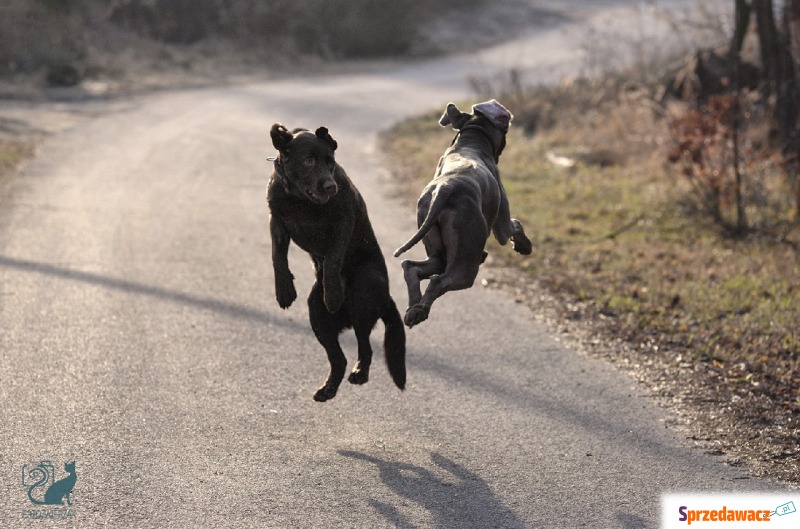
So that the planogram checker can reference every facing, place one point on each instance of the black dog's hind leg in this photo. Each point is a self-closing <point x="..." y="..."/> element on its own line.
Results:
<point x="326" y="327"/>
<point x="367" y="295"/>
<point x="360" y="374"/>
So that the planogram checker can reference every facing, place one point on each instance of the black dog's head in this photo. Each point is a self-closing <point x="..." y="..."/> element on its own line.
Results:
<point x="305" y="163"/>
<point x="490" y="117"/>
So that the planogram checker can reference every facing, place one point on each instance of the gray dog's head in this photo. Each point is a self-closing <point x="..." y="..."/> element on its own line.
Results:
<point x="492" y="110"/>
<point x="305" y="163"/>
<point x="490" y="116"/>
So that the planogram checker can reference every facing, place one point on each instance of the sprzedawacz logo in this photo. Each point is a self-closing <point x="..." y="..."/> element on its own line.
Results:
<point x="43" y="490"/>
<point x="679" y="511"/>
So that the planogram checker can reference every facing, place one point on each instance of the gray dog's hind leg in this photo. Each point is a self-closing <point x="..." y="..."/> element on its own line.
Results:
<point x="416" y="271"/>
<point x="464" y="241"/>
<point x="460" y="278"/>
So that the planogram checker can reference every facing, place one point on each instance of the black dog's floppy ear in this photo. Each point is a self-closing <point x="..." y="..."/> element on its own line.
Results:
<point x="280" y="136"/>
<point x="453" y="116"/>
<point x="322" y="133"/>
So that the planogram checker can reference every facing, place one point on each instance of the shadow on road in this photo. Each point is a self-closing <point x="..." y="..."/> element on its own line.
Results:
<point x="631" y="521"/>
<point x="225" y="308"/>
<point x="454" y="496"/>
<point x="583" y="414"/>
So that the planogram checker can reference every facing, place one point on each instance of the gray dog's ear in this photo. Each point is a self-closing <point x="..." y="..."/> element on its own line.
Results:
<point x="453" y="116"/>
<point x="322" y="133"/>
<point x="280" y="136"/>
<point x="497" y="113"/>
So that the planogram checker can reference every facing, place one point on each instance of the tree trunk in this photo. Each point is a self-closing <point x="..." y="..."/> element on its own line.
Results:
<point x="768" y="41"/>
<point x="787" y="109"/>
<point x="742" y="18"/>
<point x="742" y="22"/>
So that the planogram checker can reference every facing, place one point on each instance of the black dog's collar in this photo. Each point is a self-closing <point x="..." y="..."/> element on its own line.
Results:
<point x="280" y="172"/>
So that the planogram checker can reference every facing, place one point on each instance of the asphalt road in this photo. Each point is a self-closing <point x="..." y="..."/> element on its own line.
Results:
<point x="141" y="339"/>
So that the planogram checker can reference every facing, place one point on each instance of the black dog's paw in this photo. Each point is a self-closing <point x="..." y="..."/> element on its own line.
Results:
<point x="326" y="392"/>
<point x="359" y="376"/>
<point x="415" y="315"/>
<point x="286" y="295"/>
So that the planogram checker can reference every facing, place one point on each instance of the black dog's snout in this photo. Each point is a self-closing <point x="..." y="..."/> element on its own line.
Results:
<point x="329" y="187"/>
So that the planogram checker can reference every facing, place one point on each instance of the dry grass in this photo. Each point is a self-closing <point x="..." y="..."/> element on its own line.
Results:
<point x="617" y="247"/>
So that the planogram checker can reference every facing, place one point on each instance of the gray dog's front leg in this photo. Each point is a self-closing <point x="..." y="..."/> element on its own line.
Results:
<point x="506" y="228"/>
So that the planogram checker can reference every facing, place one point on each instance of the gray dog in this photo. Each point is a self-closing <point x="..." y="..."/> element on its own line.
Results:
<point x="459" y="207"/>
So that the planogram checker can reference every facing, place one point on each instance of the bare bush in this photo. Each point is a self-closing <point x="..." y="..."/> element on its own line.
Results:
<point x="653" y="40"/>
<point x="351" y="28"/>
<point x="45" y="35"/>
<point x="61" y="38"/>
<point x="721" y="147"/>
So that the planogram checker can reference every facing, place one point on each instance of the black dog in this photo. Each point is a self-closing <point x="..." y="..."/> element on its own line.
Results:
<point x="460" y="207"/>
<point x="313" y="203"/>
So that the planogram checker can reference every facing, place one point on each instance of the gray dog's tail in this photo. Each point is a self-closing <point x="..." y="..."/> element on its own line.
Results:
<point x="394" y="344"/>
<point x="440" y="196"/>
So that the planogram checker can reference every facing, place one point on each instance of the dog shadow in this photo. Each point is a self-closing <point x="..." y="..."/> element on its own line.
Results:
<point x="455" y="498"/>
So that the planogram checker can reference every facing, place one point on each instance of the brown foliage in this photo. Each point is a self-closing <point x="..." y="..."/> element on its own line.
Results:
<point x="703" y="149"/>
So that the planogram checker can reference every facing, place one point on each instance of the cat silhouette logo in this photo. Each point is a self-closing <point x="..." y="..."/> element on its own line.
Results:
<point x="43" y="489"/>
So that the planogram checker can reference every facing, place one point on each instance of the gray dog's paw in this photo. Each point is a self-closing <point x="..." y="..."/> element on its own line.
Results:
<point x="522" y="245"/>
<point x="415" y="315"/>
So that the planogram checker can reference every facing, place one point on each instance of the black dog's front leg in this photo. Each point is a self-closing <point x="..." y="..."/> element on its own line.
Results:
<point x="332" y="265"/>
<point x="284" y="280"/>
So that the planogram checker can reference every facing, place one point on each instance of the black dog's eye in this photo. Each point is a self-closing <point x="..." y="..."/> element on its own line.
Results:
<point x="329" y="161"/>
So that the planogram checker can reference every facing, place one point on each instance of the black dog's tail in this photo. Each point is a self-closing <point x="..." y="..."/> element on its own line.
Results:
<point x="440" y="196"/>
<point x="394" y="344"/>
